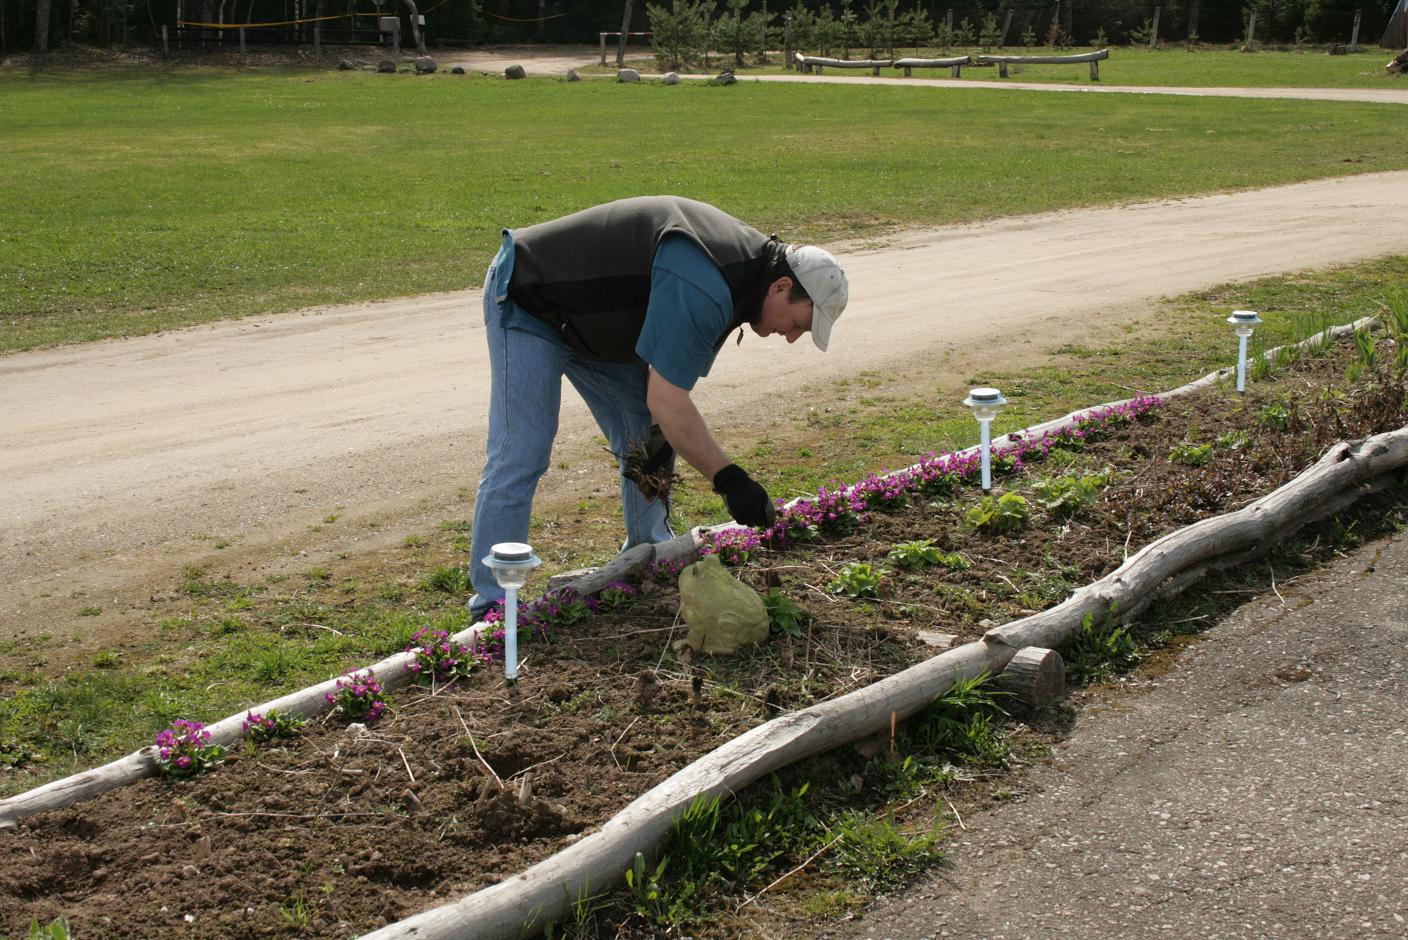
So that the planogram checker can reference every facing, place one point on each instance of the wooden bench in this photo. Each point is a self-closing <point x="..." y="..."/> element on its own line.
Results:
<point x="809" y="62"/>
<point x="955" y="63"/>
<point x="1002" y="61"/>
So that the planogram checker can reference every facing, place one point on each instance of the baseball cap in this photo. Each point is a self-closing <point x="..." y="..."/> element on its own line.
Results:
<point x="820" y="275"/>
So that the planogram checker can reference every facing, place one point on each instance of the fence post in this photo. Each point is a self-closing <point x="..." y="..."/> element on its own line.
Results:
<point x="242" y="49"/>
<point x="1154" y="33"/>
<point x="1354" y="36"/>
<point x="1251" y="28"/>
<point x="787" y="42"/>
<point x="603" y="47"/>
<point x="165" y="46"/>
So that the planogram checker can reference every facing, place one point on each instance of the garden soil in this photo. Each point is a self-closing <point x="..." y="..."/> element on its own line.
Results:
<point x="457" y="787"/>
<point x="231" y="445"/>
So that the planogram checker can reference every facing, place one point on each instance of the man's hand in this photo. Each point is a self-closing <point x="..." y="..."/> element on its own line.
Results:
<point x="744" y="497"/>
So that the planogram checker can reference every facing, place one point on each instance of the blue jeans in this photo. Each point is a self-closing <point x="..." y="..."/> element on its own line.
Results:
<point x="525" y="396"/>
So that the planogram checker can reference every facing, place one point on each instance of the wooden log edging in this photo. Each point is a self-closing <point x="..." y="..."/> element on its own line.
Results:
<point x="543" y="893"/>
<point x="391" y="672"/>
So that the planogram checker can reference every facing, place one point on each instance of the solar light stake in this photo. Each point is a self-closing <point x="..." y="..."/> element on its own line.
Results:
<point x="511" y="563"/>
<point x="985" y="402"/>
<point x="1243" y="322"/>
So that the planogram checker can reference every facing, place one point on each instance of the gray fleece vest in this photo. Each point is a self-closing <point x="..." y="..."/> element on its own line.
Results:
<point x="587" y="275"/>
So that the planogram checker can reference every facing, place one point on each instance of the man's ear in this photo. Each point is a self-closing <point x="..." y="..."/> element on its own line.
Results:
<point x="781" y="285"/>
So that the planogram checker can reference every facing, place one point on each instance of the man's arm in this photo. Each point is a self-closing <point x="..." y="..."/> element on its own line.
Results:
<point x="684" y="428"/>
<point x="683" y="425"/>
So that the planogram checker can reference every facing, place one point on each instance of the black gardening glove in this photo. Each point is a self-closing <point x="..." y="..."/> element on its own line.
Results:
<point x="745" y="499"/>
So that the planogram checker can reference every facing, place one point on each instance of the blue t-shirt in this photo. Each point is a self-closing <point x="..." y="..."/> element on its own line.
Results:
<point x="690" y="307"/>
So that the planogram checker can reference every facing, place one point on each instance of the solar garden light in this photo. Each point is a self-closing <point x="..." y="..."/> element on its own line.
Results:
<point x="985" y="402"/>
<point x="511" y="563"/>
<point x="1243" y="322"/>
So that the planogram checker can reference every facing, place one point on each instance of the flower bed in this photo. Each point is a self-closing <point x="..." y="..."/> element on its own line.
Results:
<point x="460" y="783"/>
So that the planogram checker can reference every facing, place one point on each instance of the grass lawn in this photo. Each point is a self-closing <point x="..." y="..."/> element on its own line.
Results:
<point x="137" y="201"/>
<point x="1204" y="67"/>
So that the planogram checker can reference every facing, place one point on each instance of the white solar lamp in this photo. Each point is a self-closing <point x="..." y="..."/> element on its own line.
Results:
<point x="1243" y="322"/>
<point x="511" y="563"/>
<point x="985" y="402"/>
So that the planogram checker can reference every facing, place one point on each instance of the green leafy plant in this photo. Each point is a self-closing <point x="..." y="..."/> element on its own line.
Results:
<point x="1274" y="416"/>
<point x="1231" y="440"/>
<point x="1190" y="454"/>
<point x="878" y="854"/>
<point x="858" y="579"/>
<point x="1067" y="495"/>
<point x="1099" y="650"/>
<point x="915" y="554"/>
<point x="962" y="724"/>
<point x="56" y="929"/>
<point x="1007" y="513"/>
<point x="272" y="726"/>
<point x="784" y="615"/>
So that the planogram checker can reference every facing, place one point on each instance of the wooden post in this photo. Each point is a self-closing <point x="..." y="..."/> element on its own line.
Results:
<point x="1002" y="70"/>
<point x="1154" y="31"/>
<point x="787" y="42"/>
<point x="602" y="37"/>
<point x="1251" y="28"/>
<point x="621" y="40"/>
<point x="1354" y="36"/>
<point x="1036" y="677"/>
<point x="1095" y="70"/>
<point x="1006" y="25"/>
<point x="242" y="48"/>
<point x="165" y="44"/>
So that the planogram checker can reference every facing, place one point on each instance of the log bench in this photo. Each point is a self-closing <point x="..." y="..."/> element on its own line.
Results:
<point x="1002" y="61"/>
<point x="955" y="63"/>
<point x="809" y="62"/>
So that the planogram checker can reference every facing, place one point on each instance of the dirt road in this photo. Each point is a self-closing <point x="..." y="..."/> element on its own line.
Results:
<point x="125" y="460"/>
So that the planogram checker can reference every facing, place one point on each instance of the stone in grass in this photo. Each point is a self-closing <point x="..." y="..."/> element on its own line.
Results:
<point x="515" y="72"/>
<point x="457" y="70"/>
<point x="726" y="77"/>
<point x="424" y="65"/>
<point x="572" y="76"/>
<point x="720" y="612"/>
<point x="671" y="78"/>
<point x="386" y="65"/>
<point x="627" y="75"/>
<point x="346" y="65"/>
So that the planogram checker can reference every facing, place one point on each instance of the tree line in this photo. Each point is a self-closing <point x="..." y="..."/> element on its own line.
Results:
<point x="742" y="28"/>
